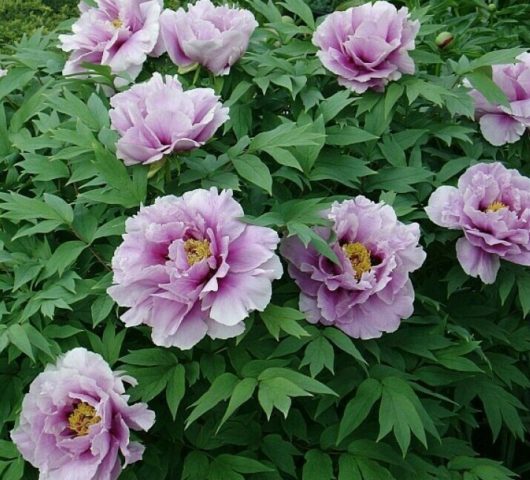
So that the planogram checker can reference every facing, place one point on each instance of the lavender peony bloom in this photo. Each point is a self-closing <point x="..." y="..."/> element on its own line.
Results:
<point x="499" y="124"/>
<point x="369" y="292"/>
<point x="75" y="420"/>
<point x="117" y="33"/>
<point x="492" y="207"/>
<point x="157" y="117"/>
<point x="367" y="46"/>
<point x="214" y="37"/>
<point x="188" y="267"/>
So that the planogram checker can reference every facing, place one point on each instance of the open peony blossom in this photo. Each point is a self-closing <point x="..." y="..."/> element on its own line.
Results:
<point x="491" y="205"/>
<point x="157" y="118"/>
<point x="189" y="267"/>
<point x="117" y="33"/>
<point x="367" y="46"/>
<point x="500" y="124"/>
<point x="75" y="420"/>
<point x="369" y="291"/>
<point x="214" y="37"/>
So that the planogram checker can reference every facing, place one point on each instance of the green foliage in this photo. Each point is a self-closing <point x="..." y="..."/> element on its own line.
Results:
<point x="443" y="398"/>
<point x="21" y="17"/>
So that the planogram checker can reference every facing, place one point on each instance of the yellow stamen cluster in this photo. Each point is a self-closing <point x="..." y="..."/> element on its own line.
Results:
<point x="495" y="206"/>
<point x="196" y="250"/>
<point x="117" y="23"/>
<point x="82" y="418"/>
<point x="359" y="257"/>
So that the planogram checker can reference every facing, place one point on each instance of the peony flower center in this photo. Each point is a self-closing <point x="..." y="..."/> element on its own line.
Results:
<point x="196" y="250"/>
<point x="117" y="23"/>
<point x="359" y="257"/>
<point x="495" y="207"/>
<point x="82" y="418"/>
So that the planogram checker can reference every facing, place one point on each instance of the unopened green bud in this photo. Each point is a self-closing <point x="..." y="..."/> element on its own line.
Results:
<point x="443" y="39"/>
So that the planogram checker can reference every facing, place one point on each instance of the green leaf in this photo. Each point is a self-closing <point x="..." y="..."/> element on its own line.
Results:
<point x="347" y="136"/>
<point x="307" y="155"/>
<point x="196" y="466"/>
<point x="357" y="409"/>
<point x="242" y="392"/>
<point x="280" y="452"/>
<point x="348" y="468"/>
<point x="219" y="390"/>
<point x="242" y="464"/>
<point x="62" y="208"/>
<point x="341" y="168"/>
<point x="300" y="8"/>
<point x="345" y="343"/>
<point x="100" y="309"/>
<point x="15" y="80"/>
<point x="31" y="106"/>
<point x="392" y="95"/>
<point x="398" y="412"/>
<point x="317" y="466"/>
<point x="523" y="288"/>
<point x="254" y="170"/>
<point x="286" y="135"/>
<point x="303" y="381"/>
<point x="66" y="254"/>
<point x="333" y="105"/>
<point x="283" y="157"/>
<point x="398" y="179"/>
<point x="497" y="57"/>
<point x="318" y="354"/>
<point x="8" y="449"/>
<point x="277" y="393"/>
<point x="176" y="389"/>
<point x="283" y="318"/>
<point x="371" y="470"/>
<point x="484" y="84"/>
<point x="18" y="337"/>
<point x="15" y="470"/>
<point x="19" y="207"/>
<point x="307" y="235"/>
<point x="147" y="357"/>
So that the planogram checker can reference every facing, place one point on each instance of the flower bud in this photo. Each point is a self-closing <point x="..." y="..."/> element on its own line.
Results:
<point x="444" y="39"/>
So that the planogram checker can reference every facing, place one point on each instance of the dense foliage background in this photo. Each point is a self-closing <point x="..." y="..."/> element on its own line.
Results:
<point x="445" y="397"/>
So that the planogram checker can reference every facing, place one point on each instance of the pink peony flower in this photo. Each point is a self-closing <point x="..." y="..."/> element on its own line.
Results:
<point x="499" y="124"/>
<point x="157" y="118"/>
<point x="369" y="291"/>
<point x="491" y="205"/>
<point x="117" y="33"/>
<point x="367" y="46"/>
<point x="189" y="267"/>
<point x="214" y="37"/>
<point x="75" y="420"/>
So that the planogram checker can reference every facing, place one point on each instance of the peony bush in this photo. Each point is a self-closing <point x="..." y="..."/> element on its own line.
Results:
<point x="267" y="241"/>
